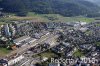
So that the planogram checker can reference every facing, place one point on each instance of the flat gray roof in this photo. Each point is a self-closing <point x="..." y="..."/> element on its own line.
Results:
<point x="21" y="38"/>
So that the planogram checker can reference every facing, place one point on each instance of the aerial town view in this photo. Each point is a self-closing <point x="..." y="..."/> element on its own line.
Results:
<point x="49" y="33"/>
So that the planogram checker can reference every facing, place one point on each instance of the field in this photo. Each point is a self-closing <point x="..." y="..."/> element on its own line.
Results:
<point x="78" y="54"/>
<point x="3" y="52"/>
<point x="98" y="44"/>
<point x="48" y="54"/>
<point x="59" y="18"/>
<point x="45" y="18"/>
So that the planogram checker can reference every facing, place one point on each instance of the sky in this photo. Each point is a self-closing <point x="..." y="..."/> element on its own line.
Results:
<point x="95" y="1"/>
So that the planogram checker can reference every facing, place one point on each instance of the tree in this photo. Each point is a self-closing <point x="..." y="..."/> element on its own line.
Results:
<point x="16" y="6"/>
<point x="22" y="13"/>
<point x="38" y="64"/>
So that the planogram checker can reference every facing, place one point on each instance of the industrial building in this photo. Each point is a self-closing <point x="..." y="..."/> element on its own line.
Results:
<point x="23" y="40"/>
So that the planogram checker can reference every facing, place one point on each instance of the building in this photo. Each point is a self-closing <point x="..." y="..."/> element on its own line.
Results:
<point x="83" y="29"/>
<point x="15" y="60"/>
<point x="24" y="40"/>
<point x="8" y="30"/>
<point x="13" y="30"/>
<point x="54" y="64"/>
<point x="21" y="39"/>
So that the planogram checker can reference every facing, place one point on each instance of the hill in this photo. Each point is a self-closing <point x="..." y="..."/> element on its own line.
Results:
<point x="64" y="7"/>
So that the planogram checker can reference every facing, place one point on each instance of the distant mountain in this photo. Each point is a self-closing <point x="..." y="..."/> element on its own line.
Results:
<point x="63" y="7"/>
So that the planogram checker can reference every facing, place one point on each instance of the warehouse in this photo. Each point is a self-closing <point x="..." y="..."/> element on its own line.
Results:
<point x="24" y="40"/>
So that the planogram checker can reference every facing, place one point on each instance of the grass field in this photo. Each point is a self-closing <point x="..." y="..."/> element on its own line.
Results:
<point x="78" y="53"/>
<point x="4" y="51"/>
<point x="59" y="18"/>
<point x="48" y="54"/>
<point x="45" y="18"/>
<point x="98" y="44"/>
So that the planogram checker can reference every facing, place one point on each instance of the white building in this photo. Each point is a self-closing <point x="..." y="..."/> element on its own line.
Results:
<point x="21" y="39"/>
<point x="83" y="29"/>
<point x="15" y="60"/>
<point x="54" y="64"/>
<point x="13" y="31"/>
<point x="24" y="40"/>
<point x="7" y="30"/>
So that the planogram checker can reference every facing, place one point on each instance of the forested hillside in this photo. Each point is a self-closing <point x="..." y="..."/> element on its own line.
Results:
<point x="63" y="7"/>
